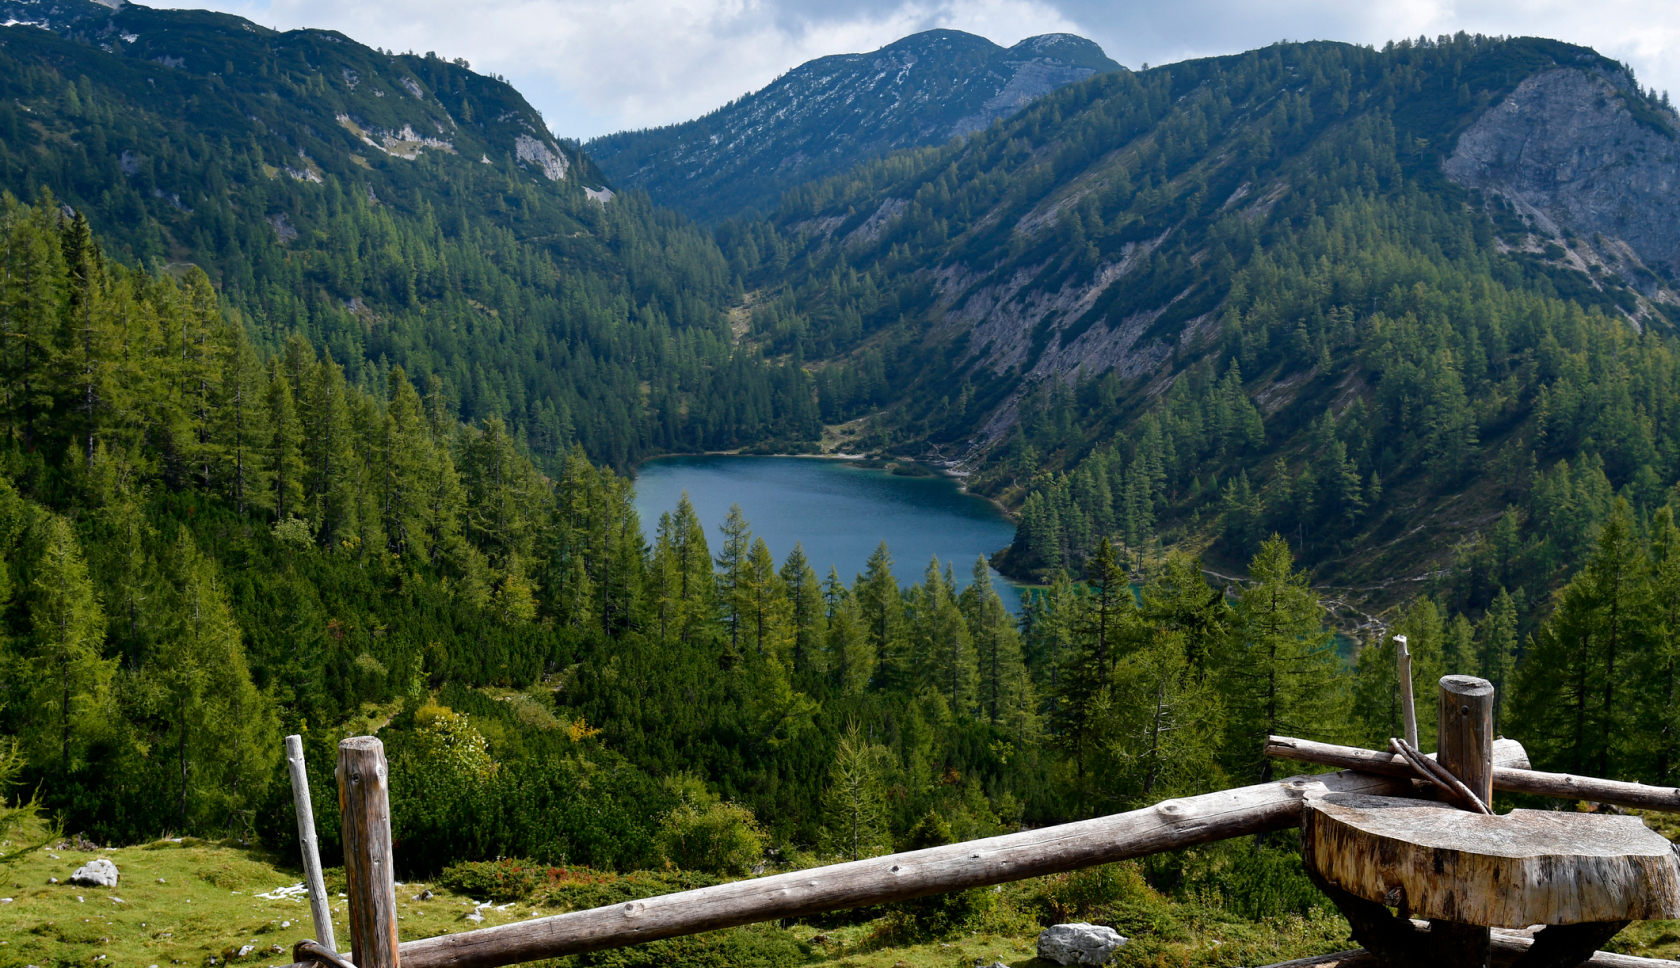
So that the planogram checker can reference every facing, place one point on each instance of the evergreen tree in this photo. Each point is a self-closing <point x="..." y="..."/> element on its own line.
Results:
<point x="881" y="605"/>
<point x="70" y="676"/>
<point x="806" y="610"/>
<point x="734" y="590"/>
<point x="854" y="806"/>
<point x="998" y="644"/>
<point x="1570" y="716"/>
<point x="1280" y="676"/>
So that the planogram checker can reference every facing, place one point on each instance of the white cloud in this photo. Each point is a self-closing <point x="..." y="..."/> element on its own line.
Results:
<point x="595" y="66"/>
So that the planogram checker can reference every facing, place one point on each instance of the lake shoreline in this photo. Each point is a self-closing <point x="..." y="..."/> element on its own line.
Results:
<point x="960" y="477"/>
<point x="840" y="517"/>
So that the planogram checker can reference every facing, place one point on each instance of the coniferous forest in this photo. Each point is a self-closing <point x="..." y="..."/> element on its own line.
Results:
<point x="323" y="381"/>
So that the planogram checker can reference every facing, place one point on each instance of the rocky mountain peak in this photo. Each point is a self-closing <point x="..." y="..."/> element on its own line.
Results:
<point x="833" y="112"/>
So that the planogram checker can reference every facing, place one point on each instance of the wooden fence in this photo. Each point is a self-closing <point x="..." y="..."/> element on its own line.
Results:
<point x="1172" y="824"/>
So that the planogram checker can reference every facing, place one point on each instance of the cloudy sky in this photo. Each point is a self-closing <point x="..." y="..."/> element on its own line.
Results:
<point x="597" y="66"/>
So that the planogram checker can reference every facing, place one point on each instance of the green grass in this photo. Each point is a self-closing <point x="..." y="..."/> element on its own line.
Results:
<point x="185" y="903"/>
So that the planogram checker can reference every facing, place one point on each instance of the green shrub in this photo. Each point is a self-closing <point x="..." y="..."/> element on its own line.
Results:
<point x="578" y="889"/>
<point x="500" y="880"/>
<point x="703" y="833"/>
<point x="756" y="946"/>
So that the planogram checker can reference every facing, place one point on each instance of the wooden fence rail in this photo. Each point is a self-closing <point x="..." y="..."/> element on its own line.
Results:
<point x="1169" y="825"/>
<point x="1511" y="778"/>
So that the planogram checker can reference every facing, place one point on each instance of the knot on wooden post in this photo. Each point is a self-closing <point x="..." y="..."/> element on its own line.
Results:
<point x="365" y="805"/>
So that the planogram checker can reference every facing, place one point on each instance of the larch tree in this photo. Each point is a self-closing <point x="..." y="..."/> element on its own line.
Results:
<point x="805" y="604"/>
<point x="71" y="676"/>
<point x="1282" y="674"/>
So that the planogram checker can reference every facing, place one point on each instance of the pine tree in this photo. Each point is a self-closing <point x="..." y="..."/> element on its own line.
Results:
<point x="769" y="607"/>
<point x="223" y="729"/>
<point x="406" y="451"/>
<point x="1568" y="714"/>
<point x="854" y="805"/>
<point x="32" y="300"/>
<point x="1179" y="600"/>
<point x="1660" y="668"/>
<point x="945" y="659"/>
<point x="696" y="588"/>
<point x="1496" y="648"/>
<point x="996" y="641"/>
<point x="881" y="605"/>
<point x="805" y="601"/>
<point x="285" y="448"/>
<point x="1280" y="677"/>
<point x="849" y="657"/>
<point x="70" y="675"/>
<point x="1163" y="730"/>
<point x="732" y="562"/>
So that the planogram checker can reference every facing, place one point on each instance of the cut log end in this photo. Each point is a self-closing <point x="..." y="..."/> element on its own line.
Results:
<point x="1527" y="867"/>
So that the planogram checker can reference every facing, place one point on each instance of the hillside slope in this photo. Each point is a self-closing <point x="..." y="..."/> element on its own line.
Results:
<point x="1241" y="295"/>
<point x="397" y="209"/>
<point x="826" y="115"/>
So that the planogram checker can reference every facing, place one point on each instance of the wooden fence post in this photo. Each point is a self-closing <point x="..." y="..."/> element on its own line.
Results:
<point x="1465" y="731"/>
<point x="365" y="803"/>
<point x="319" y="908"/>
<point x="1408" y="705"/>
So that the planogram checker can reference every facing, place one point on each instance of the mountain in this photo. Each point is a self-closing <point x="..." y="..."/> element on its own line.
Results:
<point x="399" y="210"/>
<point x="1390" y="303"/>
<point x="826" y="115"/>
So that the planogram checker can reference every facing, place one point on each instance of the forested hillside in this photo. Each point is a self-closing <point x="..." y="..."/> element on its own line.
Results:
<point x="830" y="114"/>
<point x="1207" y="303"/>
<point x="398" y="210"/>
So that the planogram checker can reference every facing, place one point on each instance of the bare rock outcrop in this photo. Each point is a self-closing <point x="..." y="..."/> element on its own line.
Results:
<point x="1569" y="144"/>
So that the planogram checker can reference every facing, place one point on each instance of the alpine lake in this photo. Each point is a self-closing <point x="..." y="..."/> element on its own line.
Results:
<point x="838" y="510"/>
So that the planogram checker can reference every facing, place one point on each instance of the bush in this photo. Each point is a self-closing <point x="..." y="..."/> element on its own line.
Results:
<point x="939" y="914"/>
<point x="498" y="880"/>
<point x="704" y="834"/>
<point x="758" y="946"/>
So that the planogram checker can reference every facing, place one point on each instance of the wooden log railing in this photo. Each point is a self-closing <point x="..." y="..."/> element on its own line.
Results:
<point x="1169" y="825"/>
<point x="1511" y="778"/>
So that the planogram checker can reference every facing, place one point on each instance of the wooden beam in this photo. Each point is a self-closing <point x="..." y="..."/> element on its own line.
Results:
<point x="319" y="909"/>
<point x="1506" y="777"/>
<point x="364" y="800"/>
<point x="1168" y="825"/>
<point x="1508" y="946"/>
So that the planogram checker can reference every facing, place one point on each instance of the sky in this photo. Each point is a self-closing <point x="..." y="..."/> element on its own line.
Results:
<point x="593" y="67"/>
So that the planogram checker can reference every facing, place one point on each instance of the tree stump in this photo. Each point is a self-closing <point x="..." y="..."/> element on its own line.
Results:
<point x="1591" y="871"/>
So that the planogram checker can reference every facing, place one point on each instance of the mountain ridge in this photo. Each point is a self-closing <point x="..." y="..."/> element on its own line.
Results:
<point x="837" y="110"/>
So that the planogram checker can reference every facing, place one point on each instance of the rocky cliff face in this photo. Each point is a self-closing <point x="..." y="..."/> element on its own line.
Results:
<point x="833" y="112"/>
<point x="1587" y="162"/>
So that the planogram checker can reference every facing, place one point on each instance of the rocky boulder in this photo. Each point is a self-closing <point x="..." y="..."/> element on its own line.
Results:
<point x="1078" y="944"/>
<point x="96" y="873"/>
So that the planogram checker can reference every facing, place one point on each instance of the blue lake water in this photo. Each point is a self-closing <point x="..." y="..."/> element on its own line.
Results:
<point x="837" y="511"/>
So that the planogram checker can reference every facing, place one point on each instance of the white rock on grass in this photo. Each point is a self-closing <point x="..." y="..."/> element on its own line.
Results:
<point x="1078" y="944"/>
<point x="96" y="873"/>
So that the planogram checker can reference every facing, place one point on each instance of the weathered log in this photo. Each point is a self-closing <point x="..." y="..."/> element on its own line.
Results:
<point x="1408" y="706"/>
<point x="1505" y="953"/>
<point x="1527" y="867"/>
<point x="1168" y="825"/>
<point x="365" y="805"/>
<point x="1508" y="946"/>
<point x="319" y="910"/>
<point x="1508" y="776"/>
<point x="1464" y="731"/>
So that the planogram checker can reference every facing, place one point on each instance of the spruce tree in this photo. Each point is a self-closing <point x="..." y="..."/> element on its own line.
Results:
<point x="996" y="641"/>
<point x="732" y="579"/>
<point x="1281" y="674"/>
